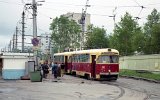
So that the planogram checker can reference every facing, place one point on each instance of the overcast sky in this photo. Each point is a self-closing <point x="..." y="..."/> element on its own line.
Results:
<point x="100" y="11"/>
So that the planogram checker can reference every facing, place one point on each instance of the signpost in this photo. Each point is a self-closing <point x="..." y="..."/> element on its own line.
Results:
<point x="35" y="42"/>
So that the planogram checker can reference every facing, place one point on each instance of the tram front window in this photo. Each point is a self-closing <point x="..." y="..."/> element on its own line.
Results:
<point x="107" y="59"/>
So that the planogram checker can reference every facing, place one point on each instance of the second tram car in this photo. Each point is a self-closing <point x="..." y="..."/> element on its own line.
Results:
<point x="101" y="64"/>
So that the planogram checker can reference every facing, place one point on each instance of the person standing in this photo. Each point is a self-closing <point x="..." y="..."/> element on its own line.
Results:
<point x="59" y="70"/>
<point x="54" y="69"/>
<point x="62" y="69"/>
<point x="45" y="69"/>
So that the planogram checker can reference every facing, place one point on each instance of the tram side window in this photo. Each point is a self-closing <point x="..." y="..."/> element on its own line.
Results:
<point x="62" y="58"/>
<point x="84" y="58"/>
<point x="78" y="58"/>
<point x="75" y="58"/>
<point x="59" y="59"/>
<point x="55" y="58"/>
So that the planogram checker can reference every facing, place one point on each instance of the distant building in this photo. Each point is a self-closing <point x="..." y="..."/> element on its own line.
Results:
<point x="77" y="17"/>
<point x="45" y="42"/>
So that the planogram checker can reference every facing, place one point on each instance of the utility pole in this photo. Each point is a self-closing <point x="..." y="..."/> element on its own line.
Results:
<point x="35" y="40"/>
<point x="10" y="46"/>
<point x="34" y="5"/>
<point x="114" y="17"/>
<point x="16" y="37"/>
<point x="23" y="16"/>
<point x="34" y="8"/>
<point x="5" y="49"/>
<point x="13" y="42"/>
<point x="82" y="21"/>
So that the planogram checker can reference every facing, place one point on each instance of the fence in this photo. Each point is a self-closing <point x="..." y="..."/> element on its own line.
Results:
<point x="141" y="62"/>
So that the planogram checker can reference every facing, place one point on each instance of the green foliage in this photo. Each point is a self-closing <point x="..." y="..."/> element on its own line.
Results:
<point x="96" y="38"/>
<point x="44" y="57"/>
<point x="16" y="50"/>
<point x="126" y="36"/>
<point x="152" y="33"/>
<point x="65" y="33"/>
<point x="134" y="73"/>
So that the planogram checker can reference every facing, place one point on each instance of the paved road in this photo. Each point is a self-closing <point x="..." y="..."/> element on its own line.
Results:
<point x="152" y="90"/>
<point x="73" y="88"/>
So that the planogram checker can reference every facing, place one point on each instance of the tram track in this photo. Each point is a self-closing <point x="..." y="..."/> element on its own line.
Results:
<point x="121" y="93"/>
<point x="122" y="90"/>
<point x="147" y="95"/>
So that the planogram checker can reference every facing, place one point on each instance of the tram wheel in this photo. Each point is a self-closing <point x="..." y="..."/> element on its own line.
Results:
<point x="87" y="76"/>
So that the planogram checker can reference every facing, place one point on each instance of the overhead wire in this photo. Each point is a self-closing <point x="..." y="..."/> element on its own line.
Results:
<point x="10" y="2"/>
<point x="64" y="4"/>
<point x="142" y="7"/>
<point x="152" y="4"/>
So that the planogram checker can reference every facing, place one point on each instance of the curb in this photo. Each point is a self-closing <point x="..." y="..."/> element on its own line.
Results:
<point x="140" y="78"/>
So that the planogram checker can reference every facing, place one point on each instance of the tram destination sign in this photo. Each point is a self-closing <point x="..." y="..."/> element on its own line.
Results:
<point x="109" y="53"/>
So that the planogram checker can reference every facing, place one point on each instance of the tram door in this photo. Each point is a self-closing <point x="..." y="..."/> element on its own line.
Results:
<point x="1" y="65"/>
<point x="66" y="63"/>
<point x="93" y="69"/>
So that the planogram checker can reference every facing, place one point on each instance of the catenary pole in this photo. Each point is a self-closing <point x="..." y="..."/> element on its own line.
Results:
<point x="34" y="8"/>
<point x="83" y="20"/>
<point x="23" y="16"/>
<point x="16" y="38"/>
<point x="13" y="42"/>
<point x="34" y="5"/>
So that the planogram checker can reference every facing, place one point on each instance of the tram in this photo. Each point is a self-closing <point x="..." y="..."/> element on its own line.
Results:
<point x="100" y="64"/>
<point x="64" y="58"/>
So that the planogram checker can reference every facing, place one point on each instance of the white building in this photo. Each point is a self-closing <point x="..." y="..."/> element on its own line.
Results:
<point x="12" y="65"/>
<point x="77" y="17"/>
<point x="45" y="42"/>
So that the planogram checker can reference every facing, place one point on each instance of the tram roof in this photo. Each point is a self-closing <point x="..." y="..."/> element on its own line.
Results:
<point x="64" y="53"/>
<point x="91" y="51"/>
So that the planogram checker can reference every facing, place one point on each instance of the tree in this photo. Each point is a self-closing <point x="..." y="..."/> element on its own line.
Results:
<point x="65" y="33"/>
<point x="152" y="33"/>
<point x="96" y="38"/>
<point x="125" y="36"/>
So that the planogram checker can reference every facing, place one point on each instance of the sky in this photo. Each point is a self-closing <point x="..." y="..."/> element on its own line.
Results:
<point x="100" y="10"/>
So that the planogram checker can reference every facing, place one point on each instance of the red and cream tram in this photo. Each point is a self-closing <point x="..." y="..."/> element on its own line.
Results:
<point x="101" y="64"/>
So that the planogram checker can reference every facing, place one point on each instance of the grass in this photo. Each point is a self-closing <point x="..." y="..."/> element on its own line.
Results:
<point x="143" y="74"/>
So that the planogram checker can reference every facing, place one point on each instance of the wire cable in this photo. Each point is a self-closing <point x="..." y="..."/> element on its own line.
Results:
<point x="10" y="3"/>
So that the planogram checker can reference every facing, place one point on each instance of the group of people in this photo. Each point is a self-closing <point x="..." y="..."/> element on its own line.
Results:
<point x="57" y="69"/>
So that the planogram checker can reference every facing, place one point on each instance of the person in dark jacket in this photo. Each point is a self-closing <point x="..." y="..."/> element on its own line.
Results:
<point x="54" y="69"/>
<point x="59" y="70"/>
<point x="62" y="69"/>
<point x="45" y="69"/>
